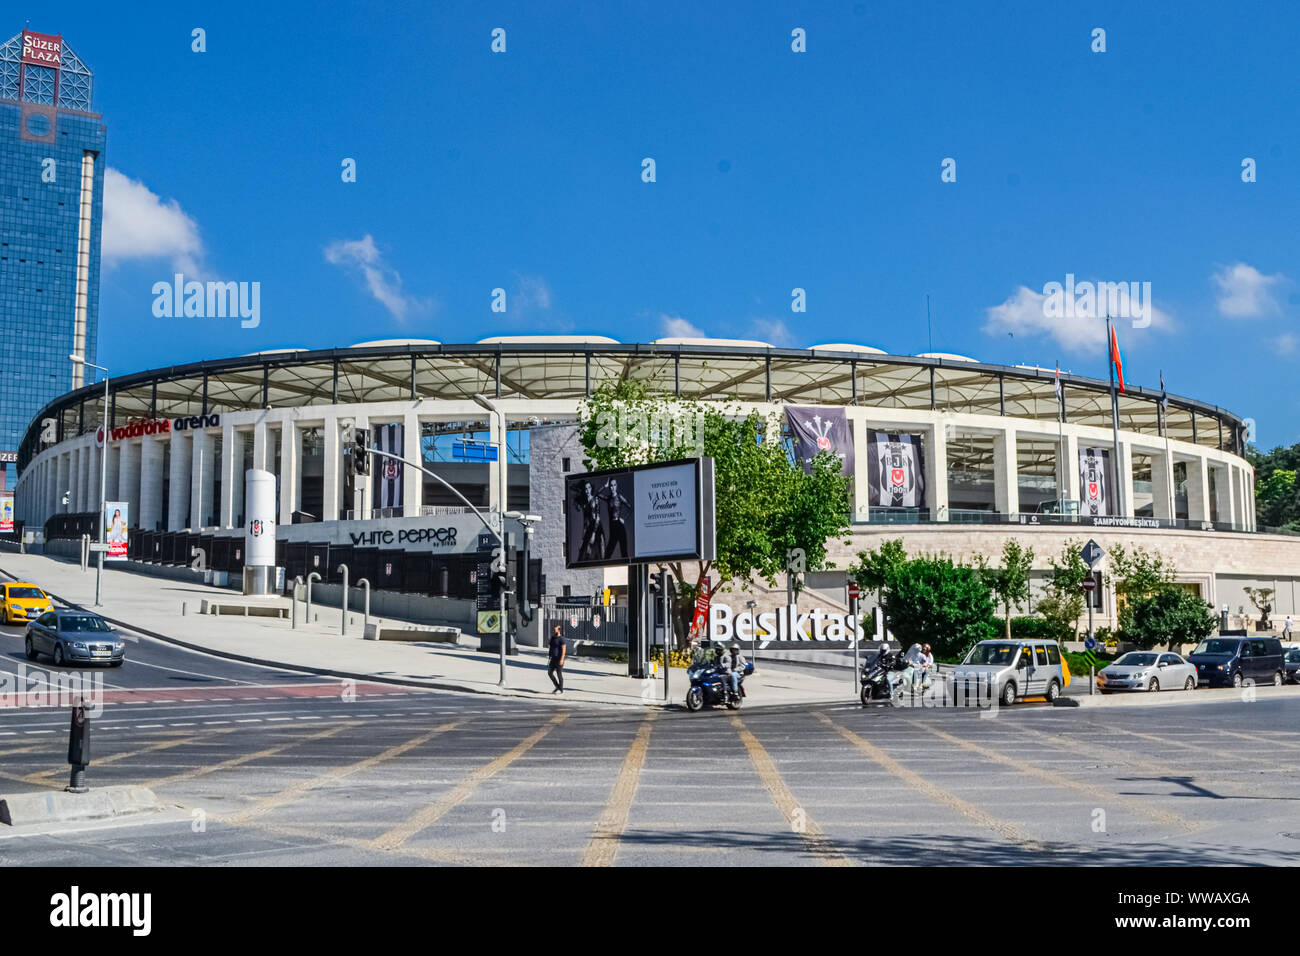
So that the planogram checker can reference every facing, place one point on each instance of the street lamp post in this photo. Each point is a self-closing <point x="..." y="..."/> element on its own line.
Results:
<point x="502" y="504"/>
<point x="103" y="477"/>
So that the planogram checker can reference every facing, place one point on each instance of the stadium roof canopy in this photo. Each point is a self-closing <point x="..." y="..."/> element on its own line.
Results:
<point x="568" y="367"/>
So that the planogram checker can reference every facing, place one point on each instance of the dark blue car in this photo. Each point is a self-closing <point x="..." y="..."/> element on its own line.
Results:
<point x="1231" y="661"/>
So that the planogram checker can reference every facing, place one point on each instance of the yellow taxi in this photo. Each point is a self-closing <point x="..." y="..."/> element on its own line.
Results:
<point x="21" y="602"/>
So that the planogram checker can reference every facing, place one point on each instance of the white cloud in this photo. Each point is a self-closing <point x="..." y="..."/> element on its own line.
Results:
<point x="675" y="327"/>
<point x="382" y="281"/>
<point x="773" y="331"/>
<point x="139" y="224"/>
<point x="1286" y="343"/>
<point x="1245" y="292"/>
<point x="1027" y="314"/>
<point x="532" y="293"/>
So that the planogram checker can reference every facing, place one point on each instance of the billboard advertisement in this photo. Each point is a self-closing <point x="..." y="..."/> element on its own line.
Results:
<point x="640" y="515"/>
<point x="117" y="519"/>
<point x="896" y="471"/>
<point x="816" y="430"/>
<point x="1094" y="482"/>
<point x="6" y="512"/>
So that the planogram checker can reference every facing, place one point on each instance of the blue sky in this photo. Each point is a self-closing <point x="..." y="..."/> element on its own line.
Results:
<point x="775" y="170"/>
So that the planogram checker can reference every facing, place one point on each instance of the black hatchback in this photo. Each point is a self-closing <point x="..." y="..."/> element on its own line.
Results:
<point x="1231" y="661"/>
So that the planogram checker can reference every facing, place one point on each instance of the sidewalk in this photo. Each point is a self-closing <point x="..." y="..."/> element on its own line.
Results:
<point x="148" y="605"/>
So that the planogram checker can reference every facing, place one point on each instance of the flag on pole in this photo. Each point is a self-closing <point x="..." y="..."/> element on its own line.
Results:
<point x="1164" y="397"/>
<point x="1056" y="384"/>
<point x="1115" y="358"/>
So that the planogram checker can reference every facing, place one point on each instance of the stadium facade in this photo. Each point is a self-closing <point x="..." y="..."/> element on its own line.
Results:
<point x="51" y="206"/>
<point x="980" y="452"/>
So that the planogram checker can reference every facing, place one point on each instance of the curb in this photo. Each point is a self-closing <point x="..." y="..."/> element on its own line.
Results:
<point x="58" y="806"/>
<point x="1214" y="695"/>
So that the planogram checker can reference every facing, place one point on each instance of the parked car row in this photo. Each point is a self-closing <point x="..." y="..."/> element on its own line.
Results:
<point x="65" y="635"/>
<point x="1019" y="668"/>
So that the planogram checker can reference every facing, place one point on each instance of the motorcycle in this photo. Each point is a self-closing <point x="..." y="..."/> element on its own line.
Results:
<point x="711" y="686"/>
<point x="882" y="679"/>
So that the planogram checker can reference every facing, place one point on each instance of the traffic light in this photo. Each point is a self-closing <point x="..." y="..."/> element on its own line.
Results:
<point x="360" y="453"/>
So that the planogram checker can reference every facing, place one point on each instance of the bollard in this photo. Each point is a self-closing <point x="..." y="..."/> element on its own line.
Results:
<point x="184" y="609"/>
<point x="343" y="618"/>
<point x="79" y="749"/>
<point x="365" y="614"/>
<point x="311" y="577"/>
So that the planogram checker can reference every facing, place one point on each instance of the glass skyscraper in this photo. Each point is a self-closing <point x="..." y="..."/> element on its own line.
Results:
<point x="51" y="206"/>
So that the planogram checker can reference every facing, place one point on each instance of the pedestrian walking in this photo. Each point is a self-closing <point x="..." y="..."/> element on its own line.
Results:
<point x="1286" y="629"/>
<point x="555" y="660"/>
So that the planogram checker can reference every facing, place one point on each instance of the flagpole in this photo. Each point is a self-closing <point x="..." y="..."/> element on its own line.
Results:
<point x="1114" y="414"/>
<point x="1169" y="457"/>
<point x="1060" y="440"/>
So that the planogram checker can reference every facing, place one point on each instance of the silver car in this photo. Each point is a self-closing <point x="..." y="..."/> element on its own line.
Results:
<point x="1011" y="670"/>
<point x="1147" y="670"/>
<point x="74" y="637"/>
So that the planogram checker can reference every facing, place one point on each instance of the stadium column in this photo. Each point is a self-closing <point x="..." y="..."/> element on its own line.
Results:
<point x="112" y="452"/>
<point x="178" y="482"/>
<point x="861" y="471"/>
<point x="1162" y="483"/>
<point x="290" y="456"/>
<point x="1006" y="481"/>
<point x="128" y="480"/>
<point x="201" y="472"/>
<point x="264" y="447"/>
<point x="1225" y="494"/>
<point x="61" y="483"/>
<point x="1124" y="469"/>
<point x="936" y="469"/>
<point x="412" y="480"/>
<point x="330" y="491"/>
<point x="1198" y="490"/>
<point x="1067" y="468"/>
<point x="87" y="454"/>
<point x="232" y="467"/>
<point x="151" y="481"/>
<point x="74" y="480"/>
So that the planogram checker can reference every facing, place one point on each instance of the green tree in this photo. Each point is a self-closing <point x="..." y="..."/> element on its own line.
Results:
<point x="766" y="504"/>
<point x="946" y="605"/>
<point x="1171" y="616"/>
<point x="928" y="600"/>
<point x="1062" y="602"/>
<point x="1137" y="575"/>
<point x="1010" y="582"/>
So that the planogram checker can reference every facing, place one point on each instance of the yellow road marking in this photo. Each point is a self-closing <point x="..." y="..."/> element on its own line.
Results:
<point x="430" y="854"/>
<point x="188" y="737"/>
<point x="785" y="801"/>
<point x="398" y="835"/>
<point x="1057" y="779"/>
<point x="293" y="792"/>
<point x="613" y="821"/>
<point x="936" y="793"/>
<point x="246" y="758"/>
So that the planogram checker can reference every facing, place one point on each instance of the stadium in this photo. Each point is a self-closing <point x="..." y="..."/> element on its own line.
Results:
<point x="952" y="455"/>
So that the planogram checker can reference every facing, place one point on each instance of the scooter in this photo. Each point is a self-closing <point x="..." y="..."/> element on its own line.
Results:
<point x="882" y="679"/>
<point x="711" y="686"/>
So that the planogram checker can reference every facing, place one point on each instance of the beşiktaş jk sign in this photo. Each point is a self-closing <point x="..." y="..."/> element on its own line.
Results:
<point x="158" y="426"/>
<point x="784" y="624"/>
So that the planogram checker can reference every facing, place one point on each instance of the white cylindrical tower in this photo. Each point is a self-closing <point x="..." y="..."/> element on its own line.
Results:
<point x="259" y="532"/>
